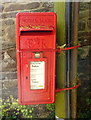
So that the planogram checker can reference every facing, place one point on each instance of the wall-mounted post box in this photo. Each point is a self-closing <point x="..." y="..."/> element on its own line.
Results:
<point x="36" y="45"/>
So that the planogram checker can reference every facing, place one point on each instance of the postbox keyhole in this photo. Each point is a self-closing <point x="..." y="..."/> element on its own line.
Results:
<point x="26" y="77"/>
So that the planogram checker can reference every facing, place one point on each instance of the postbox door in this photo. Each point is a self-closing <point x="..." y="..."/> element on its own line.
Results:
<point x="36" y="79"/>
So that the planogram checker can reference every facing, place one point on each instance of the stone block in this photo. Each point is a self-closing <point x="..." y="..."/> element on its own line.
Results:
<point x="0" y="86"/>
<point x="7" y="22"/>
<point x="42" y="10"/>
<point x="84" y="14"/>
<point x="10" y="33"/>
<point x="27" y="1"/>
<point x="1" y="76"/>
<point x="11" y="75"/>
<point x="9" y="15"/>
<point x="12" y="14"/>
<point x="84" y="6"/>
<point x="82" y="25"/>
<point x="8" y="75"/>
<point x="12" y="53"/>
<point x="1" y="40"/>
<point x="10" y="91"/>
<point x="8" y="64"/>
<point x="1" y="7"/>
<point x="89" y="23"/>
<point x="15" y="7"/>
<point x="9" y="88"/>
<point x="1" y="15"/>
<point x="0" y="23"/>
<point x="8" y="1"/>
<point x="32" y="5"/>
<point x="9" y="84"/>
<point x="1" y="32"/>
<point x="48" y="4"/>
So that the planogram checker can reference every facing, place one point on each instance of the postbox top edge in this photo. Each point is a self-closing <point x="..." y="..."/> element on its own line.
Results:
<point x="35" y="13"/>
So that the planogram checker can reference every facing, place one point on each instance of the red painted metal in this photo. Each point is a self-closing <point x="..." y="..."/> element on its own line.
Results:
<point x="70" y="88"/>
<point x="36" y="32"/>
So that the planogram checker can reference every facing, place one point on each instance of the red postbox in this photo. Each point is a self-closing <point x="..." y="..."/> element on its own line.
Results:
<point x="36" y="45"/>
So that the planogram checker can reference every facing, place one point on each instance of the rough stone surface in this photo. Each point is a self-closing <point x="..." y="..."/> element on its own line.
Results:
<point x="84" y="6"/>
<point x="15" y="7"/>
<point x="8" y="64"/>
<point x="42" y="10"/>
<point x="7" y="22"/>
<point x="8" y="1"/>
<point x="84" y="14"/>
<point x="48" y="4"/>
<point x="9" y="84"/>
<point x="83" y="60"/>
<point x="12" y="53"/>
<point x="0" y="32"/>
<point x="9" y="87"/>
<point x="1" y="15"/>
<point x="33" y="5"/>
<point x="9" y="15"/>
<point x="8" y="75"/>
<point x="1" y="8"/>
<point x="82" y="25"/>
<point x="89" y="23"/>
<point x="10" y="33"/>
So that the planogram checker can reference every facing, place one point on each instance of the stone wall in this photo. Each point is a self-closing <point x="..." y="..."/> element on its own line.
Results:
<point x="84" y="36"/>
<point x="84" y="66"/>
<point x="8" y="11"/>
<point x="85" y="22"/>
